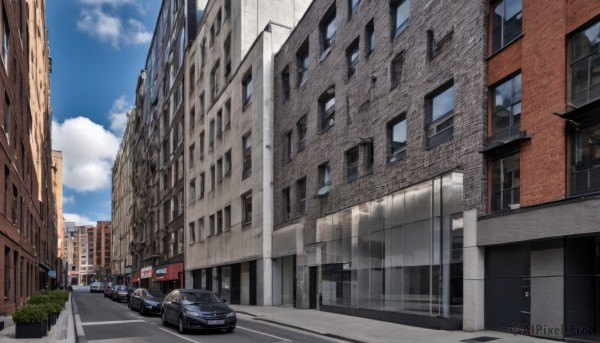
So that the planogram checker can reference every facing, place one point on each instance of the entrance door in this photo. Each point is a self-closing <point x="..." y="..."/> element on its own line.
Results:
<point x="312" y="288"/>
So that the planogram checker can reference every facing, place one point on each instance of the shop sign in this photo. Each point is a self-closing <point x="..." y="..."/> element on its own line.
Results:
<point x="146" y="273"/>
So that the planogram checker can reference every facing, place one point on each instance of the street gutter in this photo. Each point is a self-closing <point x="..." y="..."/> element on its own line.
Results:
<point x="79" y="333"/>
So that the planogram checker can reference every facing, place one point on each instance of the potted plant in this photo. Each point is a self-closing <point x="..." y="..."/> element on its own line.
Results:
<point x="30" y="322"/>
<point x="53" y="309"/>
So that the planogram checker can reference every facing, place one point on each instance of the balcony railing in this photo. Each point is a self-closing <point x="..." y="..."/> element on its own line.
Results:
<point x="506" y="134"/>
<point x="585" y="181"/>
<point x="504" y="199"/>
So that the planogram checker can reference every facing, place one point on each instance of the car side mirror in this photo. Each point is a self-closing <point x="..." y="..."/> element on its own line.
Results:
<point x="224" y="300"/>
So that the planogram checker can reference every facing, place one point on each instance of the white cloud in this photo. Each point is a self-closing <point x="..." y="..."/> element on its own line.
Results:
<point x="118" y="115"/>
<point x="68" y="200"/>
<point x="88" y="150"/>
<point x="101" y="25"/>
<point x="78" y="219"/>
<point x="108" y="25"/>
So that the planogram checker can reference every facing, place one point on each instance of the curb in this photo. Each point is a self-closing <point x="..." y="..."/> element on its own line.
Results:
<point x="79" y="334"/>
<point x="347" y="339"/>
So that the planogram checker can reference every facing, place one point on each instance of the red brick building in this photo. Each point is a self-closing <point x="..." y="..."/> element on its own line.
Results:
<point x="540" y="237"/>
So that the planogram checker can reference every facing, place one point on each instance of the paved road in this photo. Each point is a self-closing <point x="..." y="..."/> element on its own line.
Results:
<point x="107" y="321"/>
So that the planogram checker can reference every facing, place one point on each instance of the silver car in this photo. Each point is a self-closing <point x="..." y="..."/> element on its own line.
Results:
<point x="97" y="287"/>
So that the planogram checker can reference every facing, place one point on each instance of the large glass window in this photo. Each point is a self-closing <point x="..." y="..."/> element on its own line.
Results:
<point x="442" y="111"/>
<point x="585" y="160"/>
<point x="506" y="108"/>
<point x="506" y="182"/>
<point x="506" y="22"/>
<point x="584" y="53"/>
<point x="401" y="252"/>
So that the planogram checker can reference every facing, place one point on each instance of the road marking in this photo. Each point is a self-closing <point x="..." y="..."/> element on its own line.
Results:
<point x="114" y="322"/>
<point x="180" y="336"/>
<point x="266" y="334"/>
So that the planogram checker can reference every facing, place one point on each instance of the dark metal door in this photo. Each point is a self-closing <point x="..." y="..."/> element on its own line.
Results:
<point x="312" y="288"/>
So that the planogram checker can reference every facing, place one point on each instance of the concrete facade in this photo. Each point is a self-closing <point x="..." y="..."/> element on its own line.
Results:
<point x="122" y="204"/>
<point x="367" y="102"/>
<point x="234" y="45"/>
<point x="57" y="188"/>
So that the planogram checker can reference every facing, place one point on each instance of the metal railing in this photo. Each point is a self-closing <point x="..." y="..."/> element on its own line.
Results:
<point x="585" y="181"/>
<point x="504" y="199"/>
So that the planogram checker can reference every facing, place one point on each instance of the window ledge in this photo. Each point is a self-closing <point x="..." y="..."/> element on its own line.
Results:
<point x="324" y="54"/>
<point x="504" y="47"/>
<point x="247" y="104"/>
<point x="247" y="224"/>
<point x="325" y="130"/>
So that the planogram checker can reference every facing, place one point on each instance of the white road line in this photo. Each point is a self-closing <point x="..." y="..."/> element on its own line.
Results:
<point x="266" y="334"/>
<point x="180" y="336"/>
<point x="114" y="322"/>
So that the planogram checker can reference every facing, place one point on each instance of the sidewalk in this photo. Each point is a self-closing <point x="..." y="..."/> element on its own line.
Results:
<point x="355" y="329"/>
<point x="62" y="332"/>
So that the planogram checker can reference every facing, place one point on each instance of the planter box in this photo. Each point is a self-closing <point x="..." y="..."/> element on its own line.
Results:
<point x="46" y="327"/>
<point x="33" y="330"/>
<point x="53" y="317"/>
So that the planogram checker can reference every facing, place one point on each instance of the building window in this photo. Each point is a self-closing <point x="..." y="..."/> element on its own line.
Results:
<point x="211" y="134"/>
<point x="192" y="78"/>
<point x="286" y="206"/>
<point x="219" y="122"/>
<point x="192" y="118"/>
<point x="352" y="57"/>
<point x="324" y="179"/>
<point x="352" y="164"/>
<point x="192" y="195"/>
<point x="227" y="54"/>
<point x="370" y="37"/>
<point x="202" y="178"/>
<point x="212" y="227"/>
<point x="302" y="62"/>
<point x="191" y="154"/>
<point x="506" y="22"/>
<point x="227" y="215"/>
<point x="505" y="182"/>
<point x="218" y="23"/>
<point x="201" y="148"/>
<point x="228" y="163"/>
<point x="247" y="208"/>
<point x="215" y="80"/>
<point x="247" y="87"/>
<point x="328" y="28"/>
<point x="227" y="115"/>
<point x="219" y="222"/>
<point x="285" y="83"/>
<point x="585" y="159"/>
<point x="369" y="157"/>
<point x="192" y="231"/>
<point x="302" y="130"/>
<point x="213" y="177"/>
<point x="397" y="139"/>
<point x="247" y="155"/>
<point x="7" y="116"/>
<point x="301" y="196"/>
<point x="327" y="109"/>
<point x="584" y="56"/>
<point x="506" y="108"/>
<point x="288" y="153"/>
<point x="219" y="170"/>
<point x="396" y="70"/>
<point x="5" y="39"/>
<point x="352" y="7"/>
<point x="201" y="230"/>
<point x="441" y="106"/>
<point x="227" y="8"/>
<point x="202" y="108"/>
<point x="400" y="10"/>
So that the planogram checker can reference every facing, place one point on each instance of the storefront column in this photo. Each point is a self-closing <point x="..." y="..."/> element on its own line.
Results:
<point x="474" y="274"/>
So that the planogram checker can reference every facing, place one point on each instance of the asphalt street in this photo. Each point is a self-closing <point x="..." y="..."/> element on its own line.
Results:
<point x="107" y="321"/>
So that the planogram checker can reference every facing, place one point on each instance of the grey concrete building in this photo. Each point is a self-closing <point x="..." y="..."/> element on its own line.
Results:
<point x="157" y="150"/>
<point x="379" y="120"/>
<point x="228" y="147"/>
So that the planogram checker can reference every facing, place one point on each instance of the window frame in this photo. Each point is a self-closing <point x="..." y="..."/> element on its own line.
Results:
<point x="352" y="166"/>
<point x="247" y="88"/>
<point x="443" y="126"/>
<point x="503" y="42"/>
<point x="324" y="178"/>
<point x="352" y="50"/>
<point x="329" y="19"/>
<point x="395" y="7"/>
<point x="246" y="201"/>
<point x="394" y="155"/>
<point x="327" y="114"/>
<point x="302" y="201"/>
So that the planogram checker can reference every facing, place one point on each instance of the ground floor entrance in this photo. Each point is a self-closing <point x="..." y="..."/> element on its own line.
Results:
<point x="236" y="283"/>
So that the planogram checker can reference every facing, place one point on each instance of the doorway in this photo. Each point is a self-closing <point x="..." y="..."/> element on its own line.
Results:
<point x="312" y="287"/>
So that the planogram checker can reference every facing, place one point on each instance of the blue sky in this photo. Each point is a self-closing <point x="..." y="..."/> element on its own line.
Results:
<point x="98" y="48"/>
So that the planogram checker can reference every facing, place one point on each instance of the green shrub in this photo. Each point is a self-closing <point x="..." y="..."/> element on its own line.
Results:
<point x="52" y="308"/>
<point x="30" y="314"/>
<point x="39" y="299"/>
<point x="59" y="294"/>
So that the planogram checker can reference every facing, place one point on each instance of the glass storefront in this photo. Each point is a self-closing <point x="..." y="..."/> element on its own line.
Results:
<point x="400" y="253"/>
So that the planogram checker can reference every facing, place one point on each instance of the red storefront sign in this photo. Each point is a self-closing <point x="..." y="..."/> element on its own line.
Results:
<point x="168" y="272"/>
<point x="136" y="276"/>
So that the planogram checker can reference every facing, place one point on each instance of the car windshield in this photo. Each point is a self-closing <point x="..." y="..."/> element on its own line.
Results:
<point x="122" y="288"/>
<point x="199" y="298"/>
<point x="155" y="293"/>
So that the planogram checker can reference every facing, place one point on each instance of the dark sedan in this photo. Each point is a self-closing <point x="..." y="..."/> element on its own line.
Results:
<point x="108" y="288"/>
<point x="120" y="293"/>
<point x="146" y="300"/>
<point x="196" y="309"/>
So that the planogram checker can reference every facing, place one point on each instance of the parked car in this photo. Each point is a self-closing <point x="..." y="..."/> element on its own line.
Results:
<point x="120" y="293"/>
<point x="196" y="309"/>
<point x="108" y="288"/>
<point x="97" y="287"/>
<point x="146" y="300"/>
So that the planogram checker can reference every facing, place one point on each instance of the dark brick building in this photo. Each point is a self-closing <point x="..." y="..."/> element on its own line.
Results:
<point x="379" y="123"/>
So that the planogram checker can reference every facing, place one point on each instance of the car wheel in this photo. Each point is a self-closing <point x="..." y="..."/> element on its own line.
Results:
<point x="163" y="319"/>
<point x="180" y="326"/>
<point x="229" y="330"/>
